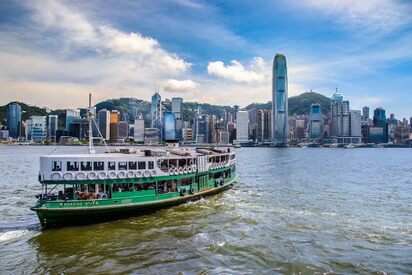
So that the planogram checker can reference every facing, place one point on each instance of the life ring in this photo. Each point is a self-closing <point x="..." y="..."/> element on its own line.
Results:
<point x="68" y="176"/>
<point x="138" y="174"/>
<point x="56" y="176"/>
<point x="222" y="182"/>
<point x="153" y="173"/>
<point x="102" y="175"/>
<point x="191" y="190"/>
<point x="146" y="173"/>
<point x="112" y="174"/>
<point x="171" y="171"/>
<point x="185" y="170"/>
<point x="182" y="191"/>
<point x="216" y="183"/>
<point x="80" y="176"/>
<point x="130" y="174"/>
<point x="91" y="175"/>
<point x="121" y="175"/>
<point x="189" y="169"/>
<point x="102" y="196"/>
<point x="176" y="171"/>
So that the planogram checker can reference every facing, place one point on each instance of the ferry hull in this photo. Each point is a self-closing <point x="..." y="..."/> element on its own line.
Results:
<point x="59" y="217"/>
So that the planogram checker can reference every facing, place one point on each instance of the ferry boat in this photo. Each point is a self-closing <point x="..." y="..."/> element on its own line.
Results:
<point x="93" y="187"/>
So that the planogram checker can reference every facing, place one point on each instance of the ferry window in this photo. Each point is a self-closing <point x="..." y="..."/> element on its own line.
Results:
<point x="132" y="165"/>
<point x="122" y="165"/>
<point x="57" y="166"/>
<point x="173" y="163"/>
<point x="86" y="166"/>
<point x="72" y="166"/>
<point x="98" y="165"/>
<point x="210" y="160"/>
<point x="151" y="165"/>
<point x="112" y="165"/>
<point x="144" y="186"/>
<point x="182" y="162"/>
<point x="166" y="186"/>
<point x="187" y="181"/>
<point x="163" y="164"/>
<point x="142" y="165"/>
<point x="222" y="158"/>
<point x="232" y="157"/>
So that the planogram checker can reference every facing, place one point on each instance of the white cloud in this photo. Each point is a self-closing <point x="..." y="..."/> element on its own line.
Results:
<point x="173" y="85"/>
<point x="77" y="29"/>
<point x="236" y="71"/>
<point x="370" y="15"/>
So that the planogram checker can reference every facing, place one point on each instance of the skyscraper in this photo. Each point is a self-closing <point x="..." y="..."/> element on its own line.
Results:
<point x="264" y="125"/>
<point x="14" y="119"/>
<point x="379" y="120"/>
<point x="340" y="116"/>
<point x="71" y="115"/>
<point x="365" y="115"/>
<point x="53" y="127"/>
<point x="139" y="128"/>
<point x="177" y="110"/>
<point x="104" y="123"/>
<point x="36" y="129"/>
<point x="169" y="126"/>
<point x="114" y="125"/>
<point x="355" y="123"/>
<point x="242" y="126"/>
<point x="315" y="121"/>
<point x="156" y="113"/>
<point x="280" y="126"/>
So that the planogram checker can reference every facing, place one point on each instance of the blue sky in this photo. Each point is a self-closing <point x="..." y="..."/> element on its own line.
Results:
<point x="53" y="53"/>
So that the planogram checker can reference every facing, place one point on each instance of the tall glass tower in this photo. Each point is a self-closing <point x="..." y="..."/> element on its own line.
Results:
<point x="280" y="127"/>
<point x="14" y="119"/>
<point x="156" y="112"/>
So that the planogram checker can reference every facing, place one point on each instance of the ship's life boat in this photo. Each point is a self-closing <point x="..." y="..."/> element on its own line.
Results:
<point x="130" y="174"/>
<point x="80" y="176"/>
<point x="121" y="175"/>
<point x="91" y="175"/>
<point x="138" y="174"/>
<point x="68" y="176"/>
<point x="56" y="176"/>
<point x="102" y="175"/>
<point x="153" y="173"/>
<point x="112" y="174"/>
<point x="146" y="173"/>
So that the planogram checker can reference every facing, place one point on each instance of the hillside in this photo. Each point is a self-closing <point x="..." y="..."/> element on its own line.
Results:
<point x="297" y="105"/>
<point x="300" y="104"/>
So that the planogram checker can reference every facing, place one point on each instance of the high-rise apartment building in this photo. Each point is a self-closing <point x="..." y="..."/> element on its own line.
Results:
<point x="280" y="126"/>
<point x="14" y="120"/>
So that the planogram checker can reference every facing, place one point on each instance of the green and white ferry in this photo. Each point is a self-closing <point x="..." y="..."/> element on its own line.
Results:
<point x="93" y="187"/>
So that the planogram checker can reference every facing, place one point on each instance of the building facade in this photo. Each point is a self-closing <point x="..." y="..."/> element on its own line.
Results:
<point x="280" y="126"/>
<point x="177" y="110"/>
<point x="242" y="126"/>
<point x="14" y="120"/>
<point x="315" y="121"/>
<point x="52" y="128"/>
<point x="36" y="128"/>
<point x="156" y="113"/>
<point x="104" y="123"/>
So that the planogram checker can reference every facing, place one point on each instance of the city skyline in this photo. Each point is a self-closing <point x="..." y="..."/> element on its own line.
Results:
<point x="67" y="49"/>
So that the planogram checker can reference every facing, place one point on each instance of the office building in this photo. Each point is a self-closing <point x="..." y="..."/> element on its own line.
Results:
<point x="379" y="120"/>
<point x="14" y="120"/>
<point x="315" y="121"/>
<point x="169" y="126"/>
<point x="139" y="128"/>
<point x="71" y="114"/>
<point x="156" y="113"/>
<point x="280" y="126"/>
<point x="114" y="124"/>
<point x="376" y="135"/>
<point x="52" y="128"/>
<point x="177" y="110"/>
<point x="264" y="125"/>
<point x="104" y="123"/>
<point x="151" y="135"/>
<point x="242" y="126"/>
<point x="355" y="124"/>
<point x="36" y="128"/>
<point x="123" y="130"/>
<point x="340" y="120"/>
<point x="365" y="115"/>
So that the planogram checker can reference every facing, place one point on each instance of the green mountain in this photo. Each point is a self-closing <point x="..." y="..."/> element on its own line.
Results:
<point x="297" y="105"/>
<point x="300" y="104"/>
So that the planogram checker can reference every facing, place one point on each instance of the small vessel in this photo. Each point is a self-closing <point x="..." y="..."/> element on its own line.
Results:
<point x="93" y="187"/>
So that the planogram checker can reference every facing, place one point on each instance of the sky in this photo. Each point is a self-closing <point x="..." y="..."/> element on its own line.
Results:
<point x="53" y="53"/>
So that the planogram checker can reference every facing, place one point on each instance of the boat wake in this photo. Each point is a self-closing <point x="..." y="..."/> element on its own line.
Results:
<point x="13" y="234"/>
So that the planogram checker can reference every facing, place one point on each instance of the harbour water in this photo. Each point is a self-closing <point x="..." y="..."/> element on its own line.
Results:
<point x="293" y="210"/>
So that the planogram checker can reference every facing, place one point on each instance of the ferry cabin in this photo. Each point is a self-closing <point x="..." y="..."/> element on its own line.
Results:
<point x="129" y="177"/>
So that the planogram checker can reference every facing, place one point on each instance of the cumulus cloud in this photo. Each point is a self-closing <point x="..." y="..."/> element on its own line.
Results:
<point x="236" y="71"/>
<point x="77" y="29"/>
<point x="173" y="85"/>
